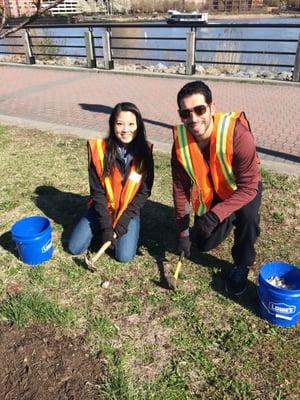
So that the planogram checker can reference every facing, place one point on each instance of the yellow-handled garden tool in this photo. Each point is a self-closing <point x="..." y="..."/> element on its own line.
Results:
<point x="172" y="279"/>
<point x="90" y="260"/>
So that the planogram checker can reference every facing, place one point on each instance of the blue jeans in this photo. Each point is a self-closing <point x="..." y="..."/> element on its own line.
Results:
<point x="88" y="227"/>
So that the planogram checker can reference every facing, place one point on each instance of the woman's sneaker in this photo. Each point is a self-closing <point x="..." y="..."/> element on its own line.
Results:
<point x="237" y="280"/>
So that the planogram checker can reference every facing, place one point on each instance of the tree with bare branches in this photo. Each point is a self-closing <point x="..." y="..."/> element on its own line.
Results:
<point x="38" y="10"/>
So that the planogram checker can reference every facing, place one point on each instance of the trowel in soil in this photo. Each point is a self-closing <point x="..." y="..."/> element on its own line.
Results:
<point x="90" y="261"/>
<point x="172" y="279"/>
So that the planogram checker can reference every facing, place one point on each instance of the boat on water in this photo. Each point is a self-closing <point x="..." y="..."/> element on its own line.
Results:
<point x="175" y="16"/>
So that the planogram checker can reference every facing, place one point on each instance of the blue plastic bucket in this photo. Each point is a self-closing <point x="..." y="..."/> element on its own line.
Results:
<point x="279" y="305"/>
<point x="33" y="239"/>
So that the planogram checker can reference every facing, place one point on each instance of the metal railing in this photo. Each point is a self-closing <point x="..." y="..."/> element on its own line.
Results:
<point x="191" y="47"/>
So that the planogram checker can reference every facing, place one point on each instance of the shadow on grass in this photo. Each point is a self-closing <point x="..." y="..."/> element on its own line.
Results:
<point x="158" y="230"/>
<point x="158" y="235"/>
<point x="248" y="300"/>
<point x="8" y="244"/>
<point x="64" y="208"/>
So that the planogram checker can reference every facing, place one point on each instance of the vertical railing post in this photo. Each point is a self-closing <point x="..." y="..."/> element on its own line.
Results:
<point x="296" y="73"/>
<point x="107" y="54"/>
<point x="190" y="65"/>
<point x="30" y="59"/>
<point x="90" y="49"/>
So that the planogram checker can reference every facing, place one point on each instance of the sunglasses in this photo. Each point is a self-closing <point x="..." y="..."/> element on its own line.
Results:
<point x="198" y="110"/>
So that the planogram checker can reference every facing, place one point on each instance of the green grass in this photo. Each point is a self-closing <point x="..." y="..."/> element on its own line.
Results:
<point x="101" y="326"/>
<point x="192" y="344"/>
<point x="28" y="306"/>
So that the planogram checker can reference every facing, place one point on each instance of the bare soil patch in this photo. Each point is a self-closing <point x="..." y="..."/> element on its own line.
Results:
<point x="37" y="363"/>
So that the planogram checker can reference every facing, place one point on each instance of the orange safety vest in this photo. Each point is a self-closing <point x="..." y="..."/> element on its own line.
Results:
<point x="118" y="196"/>
<point x="220" y="160"/>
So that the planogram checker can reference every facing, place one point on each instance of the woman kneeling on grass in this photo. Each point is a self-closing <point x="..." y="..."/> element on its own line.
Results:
<point x="121" y="177"/>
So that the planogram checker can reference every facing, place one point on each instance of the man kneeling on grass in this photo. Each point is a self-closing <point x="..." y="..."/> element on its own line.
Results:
<point x="215" y="167"/>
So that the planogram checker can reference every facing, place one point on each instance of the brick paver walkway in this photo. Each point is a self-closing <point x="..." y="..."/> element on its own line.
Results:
<point x="80" y="102"/>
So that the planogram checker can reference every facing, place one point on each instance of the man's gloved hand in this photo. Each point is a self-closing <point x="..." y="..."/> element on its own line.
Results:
<point x="109" y="235"/>
<point x="184" y="244"/>
<point x="206" y="224"/>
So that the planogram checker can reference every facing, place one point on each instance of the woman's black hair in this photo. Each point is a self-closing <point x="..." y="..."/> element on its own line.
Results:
<point x="139" y="143"/>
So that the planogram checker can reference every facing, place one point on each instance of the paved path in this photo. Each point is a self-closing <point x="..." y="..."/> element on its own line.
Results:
<point x="79" y="102"/>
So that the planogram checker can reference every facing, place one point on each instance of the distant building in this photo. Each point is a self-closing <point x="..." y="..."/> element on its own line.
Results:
<point x="65" y="7"/>
<point x="257" y="3"/>
<point x="91" y="6"/>
<point x="17" y="8"/>
<point x="77" y="7"/>
<point x="235" y="5"/>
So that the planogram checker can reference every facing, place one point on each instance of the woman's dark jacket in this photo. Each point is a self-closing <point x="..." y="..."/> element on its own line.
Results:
<point x="99" y="201"/>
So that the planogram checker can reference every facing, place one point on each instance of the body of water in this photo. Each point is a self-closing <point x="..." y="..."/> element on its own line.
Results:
<point x="171" y="50"/>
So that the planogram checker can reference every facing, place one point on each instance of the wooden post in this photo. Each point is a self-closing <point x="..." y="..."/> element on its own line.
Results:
<point x="190" y="66"/>
<point x="90" y="50"/>
<point x="30" y="59"/>
<point x="296" y="74"/>
<point x="108" y="61"/>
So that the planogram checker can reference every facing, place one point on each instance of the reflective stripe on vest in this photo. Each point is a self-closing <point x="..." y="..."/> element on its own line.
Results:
<point x="220" y="162"/>
<point x="221" y="153"/>
<point x="191" y="158"/>
<point x="118" y="196"/>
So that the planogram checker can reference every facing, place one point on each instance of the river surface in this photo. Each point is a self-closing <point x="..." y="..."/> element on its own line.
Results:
<point x="171" y="50"/>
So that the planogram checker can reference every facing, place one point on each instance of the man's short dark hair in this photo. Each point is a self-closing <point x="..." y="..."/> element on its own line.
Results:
<point x="195" y="87"/>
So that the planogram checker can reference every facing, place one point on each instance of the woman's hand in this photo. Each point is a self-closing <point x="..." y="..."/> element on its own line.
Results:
<point x="109" y="235"/>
